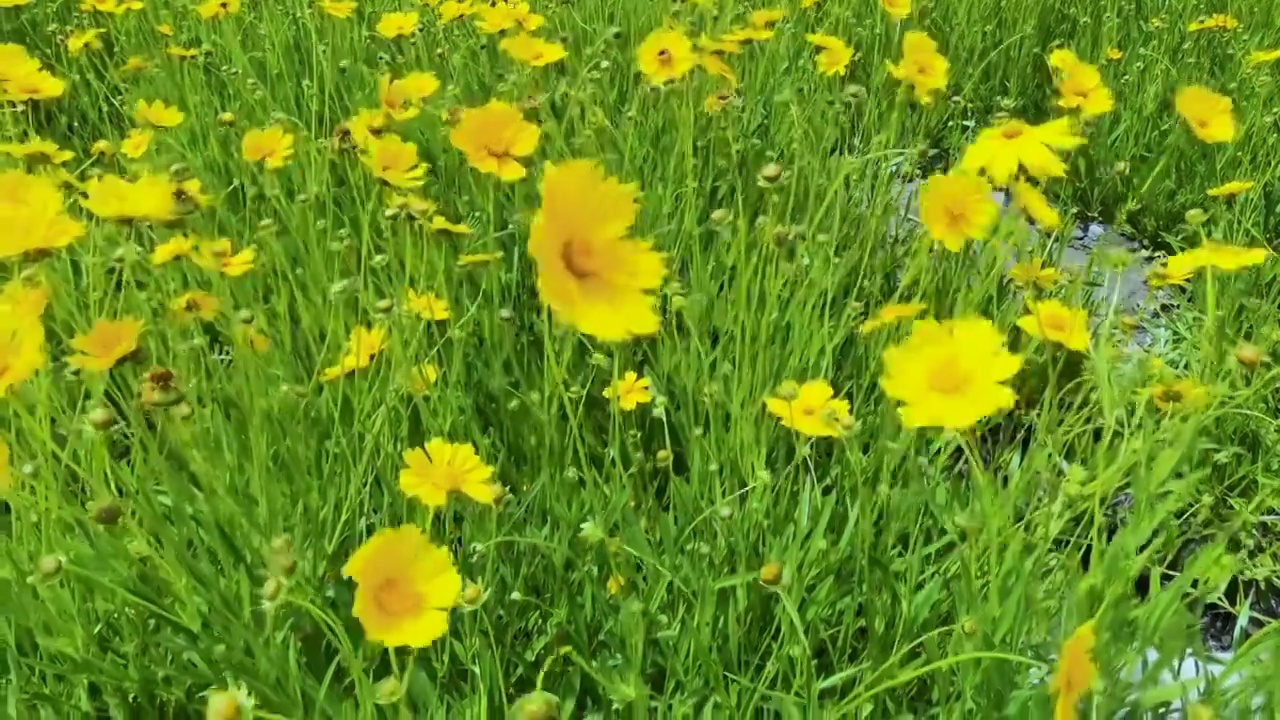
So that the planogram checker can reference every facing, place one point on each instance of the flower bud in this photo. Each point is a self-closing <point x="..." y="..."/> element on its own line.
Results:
<point x="1249" y="355"/>
<point x="106" y="512"/>
<point x="1196" y="217"/>
<point x="771" y="574"/>
<point x="537" y="705"/>
<point x="771" y="173"/>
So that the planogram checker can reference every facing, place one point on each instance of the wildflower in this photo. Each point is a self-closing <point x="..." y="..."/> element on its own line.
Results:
<point x="469" y="259"/>
<point x="771" y="573"/>
<point x="364" y="126"/>
<point x="1229" y="258"/>
<point x="112" y="197"/>
<point x="1076" y="672"/>
<point x="957" y="208"/>
<point x="135" y="143"/>
<point x="438" y="468"/>
<point x="502" y="16"/>
<point x="82" y="40"/>
<point x="402" y="99"/>
<point x="233" y="703"/>
<point x="810" y="409"/>
<point x="105" y="344"/>
<point x="615" y="585"/>
<point x="712" y="63"/>
<point x="219" y="256"/>
<point x="493" y="136"/>
<point x="1001" y="149"/>
<point x="192" y="305"/>
<point x="192" y="190"/>
<point x="532" y="51"/>
<point x="37" y="149"/>
<point x="422" y="377"/>
<point x="271" y="146"/>
<point x="1034" y="272"/>
<point x="712" y="46"/>
<point x="1230" y="189"/>
<point x="109" y="7"/>
<point x="165" y="29"/>
<point x="451" y="10"/>
<point x="922" y="66"/>
<point x="588" y="272"/>
<point x="897" y="9"/>
<point x="1053" y="321"/>
<point x="833" y="54"/>
<point x="716" y="101"/>
<point x="1114" y="54"/>
<point x="135" y="63"/>
<point x="1030" y="200"/>
<point x="341" y="9"/>
<point x="217" y="9"/>
<point x="102" y="148"/>
<point x="629" y="392"/>
<point x="427" y="306"/>
<point x="765" y="18"/>
<point x="1217" y="21"/>
<point x="394" y="161"/>
<point x="180" y="52"/>
<point x="248" y="335"/>
<point x="1080" y="85"/>
<point x="1258" y="57"/>
<point x="362" y="346"/>
<point x="392" y="25"/>
<point x="890" y="314"/>
<point x="666" y="56"/>
<point x="950" y="374"/>
<point x="178" y="246"/>
<point x="22" y="352"/>
<point x="157" y="114"/>
<point x="441" y="223"/>
<point x="405" y="587"/>
<point x="1185" y="394"/>
<point x="1207" y="112"/>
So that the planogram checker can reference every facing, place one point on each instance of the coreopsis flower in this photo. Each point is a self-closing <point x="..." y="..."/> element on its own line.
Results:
<point x="440" y="223"/>
<point x="405" y="587"/>
<point x="629" y="392"/>
<point x="15" y="61"/>
<point x="765" y="18"/>
<point x="217" y="9"/>
<point x="180" y="52"/>
<point x="665" y="56"/>
<point x="220" y="256"/>
<point x="421" y="378"/>
<point x="151" y="197"/>
<point x="178" y="246"/>
<point x="105" y="344"/>
<point x="394" y="161"/>
<point x="135" y="143"/>
<point x="134" y="64"/>
<point x="1076" y="672"/>
<point x="165" y="29"/>
<point x="22" y="352"/>
<point x="712" y="63"/>
<point x="494" y="137"/>
<point x="1179" y="395"/>
<point x="502" y="16"/>
<point x="102" y="148"/>
<point x="950" y="374"/>
<point x="362" y="346"/>
<point x="589" y="273"/>
<point x="22" y="77"/>
<point x="1114" y="54"/>
<point x="1080" y="85"/>
<point x="364" y="126"/>
<point x="192" y="191"/>
<point x="897" y="9"/>
<point x="1231" y="189"/>
<point x="401" y="99"/>
<point x="1034" y="273"/>
<point x="33" y="215"/>
<point x="37" y="149"/>
<point x="532" y="51"/>
<point x="195" y="305"/>
<point x="1000" y="150"/>
<point x="833" y="56"/>
<point x="450" y="10"/>
<point x="718" y="46"/>
<point x="1217" y="21"/>
<point x="811" y="409"/>
<point x="427" y="306"/>
<point x="485" y="258"/>
<point x="1229" y="258"/>
<point x="82" y="40"/>
<point x="1057" y="323"/>
<point x="1208" y="113"/>
<point x="272" y="146"/>
<point x="392" y="25"/>
<point x="1258" y="57"/>
<point x="957" y="208"/>
<point x="341" y="9"/>
<point x="440" y="467"/>
<point x="231" y="703"/>
<point x="110" y="7"/>
<point x="1029" y="199"/>
<point x="890" y="314"/>
<point x="922" y="66"/>
<point x="157" y="114"/>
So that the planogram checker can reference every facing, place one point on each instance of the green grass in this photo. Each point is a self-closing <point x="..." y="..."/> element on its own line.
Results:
<point x="925" y="574"/>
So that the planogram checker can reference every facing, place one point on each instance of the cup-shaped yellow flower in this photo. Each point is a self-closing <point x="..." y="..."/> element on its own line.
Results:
<point x="665" y="56"/>
<point x="950" y="374"/>
<point x="440" y="467"/>
<point x="811" y="409"/>
<point x="405" y="587"/>
<point x="897" y="9"/>
<point x="392" y="25"/>
<point x="494" y="137"/>
<point x="394" y="161"/>
<point x="105" y="344"/>
<point x="1080" y="85"/>
<point x="532" y="51"/>
<point x="272" y="146"/>
<point x="150" y="197"/>
<point x="890" y="314"/>
<point x="362" y="346"/>
<point x="427" y="306"/>
<point x="22" y="351"/>
<point x="135" y="143"/>
<point x="1000" y="150"/>
<point x="1076" y="672"/>
<point x="1034" y="273"/>
<point x="629" y="392"/>
<point x="957" y="208"/>
<point x="401" y="99"/>
<point x="588" y="272"/>
<point x="1055" y="322"/>
<point x="834" y="55"/>
<point x="33" y="215"/>
<point x="157" y="114"/>
<point x="195" y="304"/>
<point x="221" y="256"/>
<point x="922" y="66"/>
<point x="1208" y="113"/>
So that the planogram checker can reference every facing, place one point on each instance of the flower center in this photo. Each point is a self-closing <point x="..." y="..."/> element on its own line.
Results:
<point x="1054" y="323"/>
<point x="947" y="378"/>
<point x="1170" y="395"/>
<point x="395" y="597"/>
<point x="579" y="259"/>
<point x="664" y="56"/>
<point x="1012" y="132"/>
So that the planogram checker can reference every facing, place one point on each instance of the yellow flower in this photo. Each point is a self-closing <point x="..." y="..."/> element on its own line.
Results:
<point x="251" y="337"/>
<point x="402" y="99"/>
<point x="1001" y="149"/>
<point x="765" y="18"/>
<point x="469" y="259"/>
<point x="440" y="223"/>
<point x="438" y="468"/>
<point x="37" y="149"/>
<point x="364" y="126"/>
<point x="135" y="63"/>
<point x="532" y="51"/>
<point x="1114" y="54"/>
<point x="922" y="66"/>
<point x="197" y="304"/>
<point x="1076" y="672"/>
<point x="889" y="314"/>
<point x="493" y="137"/>
<point x="232" y="703"/>
<point x="392" y="25"/>
<point x="102" y="148"/>
<point x="178" y="246"/>
<point x="422" y="377"/>
<point x="105" y="344"/>
<point x="192" y="190"/>
<point x="1183" y="394"/>
<point x="810" y="409"/>
<point x="341" y="9"/>
<point x="950" y="374"/>
<point x="165" y="29"/>
<point x="588" y="272"/>
<point x="1029" y="199"/>
<point x="109" y="7"/>
<point x="157" y="114"/>
<point x="1230" y="189"/>
<point x="22" y="351"/>
<point x="219" y="256"/>
<point x="405" y="587"/>
<point x="135" y="143"/>
<point x="718" y="47"/>
<point x="957" y="208"/>
<point x="712" y="63"/>
<point x="427" y="306"/>
<point x="1051" y="320"/>
<point x="82" y="40"/>
<point x="665" y="56"/>
<point x="362" y="346"/>
<point x="1217" y="21"/>
<point x="615" y="585"/>
<point x="180" y="52"/>
<point x="1080" y="85"/>
<point x="217" y="9"/>
<point x="415" y="205"/>
<point x="1034" y="272"/>
<point x="113" y="197"/>
<point x="394" y="161"/>
<point x="502" y="16"/>
<point x="833" y="54"/>
<point x="1230" y="258"/>
<point x="629" y="392"/>
<point x="897" y="9"/>
<point x="1258" y="57"/>
<point x="451" y="10"/>
<point x="747" y="34"/>
<point x="33" y="215"/>
<point x="1208" y="113"/>
<point x="271" y="146"/>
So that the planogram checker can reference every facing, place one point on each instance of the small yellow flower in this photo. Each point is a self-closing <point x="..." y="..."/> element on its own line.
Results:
<point x="271" y="146"/>
<point x="1114" y="54"/>
<point x="1186" y="394"/>
<point x="178" y="246"/>
<point x="890" y="314"/>
<point x="421" y="378"/>
<point x="105" y="344"/>
<point x="362" y="346"/>
<point x="665" y="56"/>
<point x="1053" y="321"/>
<point x="1258" y="57"/>
<point x="427" y="306"/>
<point x="957" y="208"/>
<point x="629" y="392"/>
<point x="897" y="9"/>
<point x="439" y="468"/>
<point x="615" y="585"/>
<point x="220" y="256"/>
<point x="135" y="63"/>
<point x="157" y="114"/>
<point x="469" y="259"/>
<point x="494" y="137"/>
<point x="232" y="703"/>
<point x="341" y="9"/>
<point x="1076" y="672"/>
<point x="440" y="223"/>
<point x="834" y="55"/>
<point x="810" y="409"/>
<point x="1029" y="199"/>
<point x="1034" y="272"/>
<point x="82" y="40"/>
<point x="195" y="305"/>
<point x="1207" y="112"/>
<point x="1230" y="189"/>
<point x="394" y="161"/>
<point x="393" y="25"/>
<point x="532" y="51"/>
<point x="405" y="587"/>
<point x="135" y="143"/>
<point x="102" y="148"/>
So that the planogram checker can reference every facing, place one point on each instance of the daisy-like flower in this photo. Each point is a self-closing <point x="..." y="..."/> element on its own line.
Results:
<point x="178" y="246"/>
<point x="405" y="587"/>
<point x="1029" y="199"/>
<point x="629" y="392"/>
<point x="82" y="40"/>
<point x="195" y="305"/>
<point x="427" y="306"/>
<point x="231" y="703"/>
<point x="957" y="208"/>
<point x="135" y="143"/>
<point x="221" y="257"/>
<point x="494" y="137"/>
<point x="217" y="9"/>
<point x="532" y="51"/>
<point x="922" y="66"/>
<point x="1034" y="273"/>
<point x="394" y="25"/>
<point x="394" y="161"/>
<point x="589" y="273"/>
<point x="134" y="64"/>
<point x="1207" y="112"/>
<point x="890" y="314"/>
<point x="999" y="151"/>
<point x="1080" y="85"/>
<point x="1057" y="323"/>
<point x="665" y="56"/>
<point x="811" y="409"/>
<point x="157" y="114"/>
<point x="105" y="344"/>
<point x="897" y="9"/>
<point x="37" y="149"/>
<point x="1179" y="395"/>
<point x="422" y="378"/>
<point x="362" y="346"/>
<point x="834" y="55"/>
<point x="450" y="10"/>
<point x="180" y="52"/>
<point x="1258" y="57"/>
<point x="1114" y="54"/>
<point x="440" y="467"/>
<point x="151" y="197"/>
<point x="110" y="7"/>
<point x="501" y="16"/>
<point x="22" y="351"/>
<point x="1217" y="21"/>
<point x="470" y="259"/>
<point x="1076" y="672"/>
<point x="272" y="146"/>
<point x="341" y="9"/>
<point x="401" y="99"/>
<point x="1231" y="189"/>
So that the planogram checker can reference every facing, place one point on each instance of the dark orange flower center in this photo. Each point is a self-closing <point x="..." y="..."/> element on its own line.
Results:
<point x="579" y="259"/>
<point x="395" y="597"/>
<point x="1012" y="132"/>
